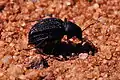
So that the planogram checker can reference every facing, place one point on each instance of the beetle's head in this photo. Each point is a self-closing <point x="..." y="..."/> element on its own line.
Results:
<point x="72" y="30"/>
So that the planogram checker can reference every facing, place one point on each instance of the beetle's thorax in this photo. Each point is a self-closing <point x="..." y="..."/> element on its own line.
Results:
<point x="72" y="30"/>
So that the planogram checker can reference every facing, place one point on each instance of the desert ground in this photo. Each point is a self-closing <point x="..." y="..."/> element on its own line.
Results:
<point x="18" y="16"/>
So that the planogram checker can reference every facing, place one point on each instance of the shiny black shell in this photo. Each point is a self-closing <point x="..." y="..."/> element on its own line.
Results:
<point x="52" y="28"/>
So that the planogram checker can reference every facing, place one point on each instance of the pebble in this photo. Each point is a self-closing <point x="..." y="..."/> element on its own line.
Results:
<point x="1" y="43"/>
<point x="31" y="75"/>
<point x="34" y="0"/>
<point x="83" y="55"/>
<point x="96" y="6"/>
<point x="1" y="74"/>
<point x="22" y="77"/>
<point x="108" y="56"/>
<point x="15" y="70"/>
<point x="6" y="59"/>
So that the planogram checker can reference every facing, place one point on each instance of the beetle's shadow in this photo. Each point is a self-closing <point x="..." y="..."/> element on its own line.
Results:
<point x="65" y="49"/>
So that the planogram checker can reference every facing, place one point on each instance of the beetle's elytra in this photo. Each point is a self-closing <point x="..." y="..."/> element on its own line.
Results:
<point x="51" y="29"/>
<point x="46" y="30"/>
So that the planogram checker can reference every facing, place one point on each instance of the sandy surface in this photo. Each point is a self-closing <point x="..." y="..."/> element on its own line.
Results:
<point x="19" y="64"/>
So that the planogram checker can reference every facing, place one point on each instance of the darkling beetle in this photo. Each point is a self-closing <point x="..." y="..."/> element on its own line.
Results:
<point x="53" y="29"/>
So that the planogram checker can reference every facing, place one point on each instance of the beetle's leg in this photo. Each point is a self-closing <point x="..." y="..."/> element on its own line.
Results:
<point x="84" y="40"/>
<point x="41" y="42"/>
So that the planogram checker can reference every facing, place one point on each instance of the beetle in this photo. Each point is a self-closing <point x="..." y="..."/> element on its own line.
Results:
<point x="51" y="29"/>
<point x="47" y="33"/>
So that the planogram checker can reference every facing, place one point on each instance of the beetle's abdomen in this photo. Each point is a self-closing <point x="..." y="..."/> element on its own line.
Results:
<point x="51" y="27"/>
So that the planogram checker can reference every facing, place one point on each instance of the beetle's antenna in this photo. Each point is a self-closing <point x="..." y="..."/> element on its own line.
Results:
<point x="91" y="24"/>
<point x="88" y="26"/>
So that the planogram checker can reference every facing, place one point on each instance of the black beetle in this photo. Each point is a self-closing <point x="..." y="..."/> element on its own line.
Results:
<point x="47" y="33"/>
<point x="52" y="29"/>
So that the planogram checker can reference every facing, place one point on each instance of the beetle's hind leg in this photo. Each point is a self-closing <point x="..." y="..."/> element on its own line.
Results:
<point x="38" y="45"/>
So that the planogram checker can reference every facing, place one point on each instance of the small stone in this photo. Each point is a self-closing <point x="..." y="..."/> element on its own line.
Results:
<point x="34" y="0"/>
<point x="108" y="56"/>
<point x="68" y="3"/>
<point x="60" y="56"/>
<point x="89" y="75"/>
<point x="96" y="6"/>
<point x="31" y="75"/>
<point x="96" y="15"/>
<point x="1" y="43"/>
<point x="30" y="5"/>
<point x="50" y="76"/>
<point x="12" y="77"/>
<point x="99" y="1"/>
<point x="83" y="55"/>
<point x="2" y="2"/>
<point x="73" y="54"/>
<point x="23" y="42"/>
<point x="9" y="39"/>
<point x="22" y="77"/>
<point x="15" y="70"/>
<point x="1" y="74"/>
<point x="6" y="59"/>
<point x="118" y="48"/>
<point x="104" y="61"/>
<point x="100" y="78"/>
<point x="12" y="44"/>
<point x="23" y="24"/>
